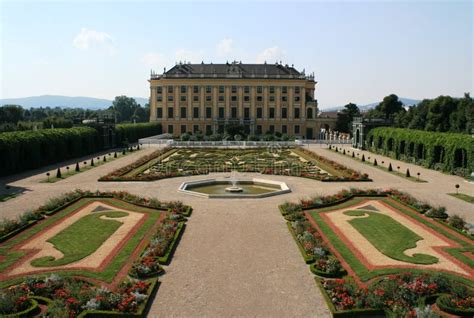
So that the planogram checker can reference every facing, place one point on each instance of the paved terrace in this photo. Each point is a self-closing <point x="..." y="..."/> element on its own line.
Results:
<point x="236" y="257"/>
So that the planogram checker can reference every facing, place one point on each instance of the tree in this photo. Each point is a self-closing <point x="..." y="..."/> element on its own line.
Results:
<point x="11" y="114"/>
<point x="124" y="107"/>
<point x="389" y="106"/>
<point x="346" y="116"/>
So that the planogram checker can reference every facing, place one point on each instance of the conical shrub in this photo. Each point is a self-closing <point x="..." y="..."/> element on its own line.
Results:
<point x="390" y="167"/>
<point x="92" y="162"/>
<point x="407" y="174"/>
<point x="375" y="162"/>
<point x="115" y="154"/>
<point x="77" y="167"/>
<point x="58" y="173"/>
<point x="363" y="158"/>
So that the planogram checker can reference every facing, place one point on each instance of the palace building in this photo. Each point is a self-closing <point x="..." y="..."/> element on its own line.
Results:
<point x="263" y="98"/>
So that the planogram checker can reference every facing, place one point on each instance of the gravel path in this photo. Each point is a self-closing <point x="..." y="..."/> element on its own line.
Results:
<point x="236" y="257"/>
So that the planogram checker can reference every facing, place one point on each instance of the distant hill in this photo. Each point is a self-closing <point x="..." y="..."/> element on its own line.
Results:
<point x="64" y="101"/>
<point x="405" y="101"/>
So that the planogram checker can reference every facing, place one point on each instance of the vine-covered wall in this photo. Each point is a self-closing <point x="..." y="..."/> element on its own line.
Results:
<point x="448" y="152"/>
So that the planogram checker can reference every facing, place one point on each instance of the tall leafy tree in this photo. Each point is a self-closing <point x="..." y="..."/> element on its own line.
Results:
<point x="389" y="106"/>
<point x="124" y="107"/>
<point x="346" y="116"/>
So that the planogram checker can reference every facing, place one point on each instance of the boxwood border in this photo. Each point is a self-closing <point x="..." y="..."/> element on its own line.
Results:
<point x="31" y="311"/>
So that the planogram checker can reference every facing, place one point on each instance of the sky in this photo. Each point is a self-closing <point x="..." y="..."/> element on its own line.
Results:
<point x="358" y="51"/>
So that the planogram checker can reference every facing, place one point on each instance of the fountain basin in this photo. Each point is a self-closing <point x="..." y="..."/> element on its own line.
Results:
<point x="223" y="189"/>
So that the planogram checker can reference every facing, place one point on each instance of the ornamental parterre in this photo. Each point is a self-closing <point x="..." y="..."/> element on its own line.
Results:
<point x="355" y="287"/>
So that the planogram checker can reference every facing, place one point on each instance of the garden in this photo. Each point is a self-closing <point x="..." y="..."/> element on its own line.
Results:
<point x="87" y="254"/>
<point x="383" y="252"/>
<point x="175" y="162"/>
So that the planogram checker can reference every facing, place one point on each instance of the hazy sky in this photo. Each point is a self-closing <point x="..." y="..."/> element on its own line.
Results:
<point x="359" y="51"/>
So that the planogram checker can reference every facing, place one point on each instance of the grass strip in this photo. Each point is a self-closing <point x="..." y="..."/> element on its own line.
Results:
<point x="462" y="196"/>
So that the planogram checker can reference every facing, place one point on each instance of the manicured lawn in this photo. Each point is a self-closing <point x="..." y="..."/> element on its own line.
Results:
<point x="362" y="271"/>
<point x="83" y="166"/>
<point x="82" y="238"/>
<point x="388" y="236"/>
<point x="382" y="167"/>
<point x="116" y="264"/>
<point x="463" y="197"/>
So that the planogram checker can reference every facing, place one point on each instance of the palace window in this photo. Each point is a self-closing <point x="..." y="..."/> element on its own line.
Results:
<point x="195" y="89"/>
<point x="208" y="130"/>
<point x="297" y="129"/>
<point x="159" y="112"/>
<point x="259" y="112"/>
<point x="195" y="98"/>
<point x="297" y="113"/>
<point x="170" y="98"/>
<point x="271" y="98"/>
<point x="208" y="112"/>
<point x="208" y="98"/>
<point x="195" y="112"/>
<point x="221" y="89"/>
<point x="284" y="98"/>
<point x="183" y="129"/>
<point x="170" y="89"/>
<point x="246" y="113"/>
<point x="259" y="129"/>
<point x="234" y="89"/>
<point x="170" y="112"/>
<point x="195" y="129"/>
<point x="284" y="129"/>
<point x="170" y="129"/>
<point x="221" y="98"/>
<point x="284" y="113"/>
<point x="208" y="89"/>
<point x="284" y="90"/>
<point x="297" y="90"/>
<point x="246" y="98"/>
<point x="233" y="98"/>
<point x="159" y="98"/>
<point x="259" y="98"/>
<point x="221" y="112"/>
<point x="183" y="98"/>
<point x="183" y="112"/>
<point x="297" y="98"/>
<point x="234" y="112"/>
<point x="271" y="129"/>
<point x="272" y="112"/>
<point x="246" y="90"/>
<point x="183" y="89"/>
<point x="272" y="89"/>
<point x="259" y="89"/>
<point x="159" y="90"/>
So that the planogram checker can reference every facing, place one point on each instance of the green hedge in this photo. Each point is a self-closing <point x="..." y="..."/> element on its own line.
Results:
<point x="132" y="132"/>
<point x="22" y="150"/>
<point x="448" y="152"/>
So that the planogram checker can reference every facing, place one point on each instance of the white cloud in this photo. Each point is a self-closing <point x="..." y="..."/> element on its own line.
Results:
<point x="87" y="39"/>
<point x="224" y="47"/>
<point x="271" y="55"/>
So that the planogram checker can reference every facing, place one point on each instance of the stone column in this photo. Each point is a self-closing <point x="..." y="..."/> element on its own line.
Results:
<point x="153" y="103"/>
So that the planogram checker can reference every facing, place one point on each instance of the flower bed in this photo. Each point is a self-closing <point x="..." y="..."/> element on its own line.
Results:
<point x="185" y="162"/>
<point x="398" y="294"/>
<point x="9" y="228"/>
<point x="70" y="297"/>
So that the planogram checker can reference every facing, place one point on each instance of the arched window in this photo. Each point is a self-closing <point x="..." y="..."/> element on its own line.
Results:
<point x="438" y="154"/>
<point x="309" y="113"/>
<point x="460" y="158"/>
<point x="390" y="144"/>
<point x="402" y="147"/>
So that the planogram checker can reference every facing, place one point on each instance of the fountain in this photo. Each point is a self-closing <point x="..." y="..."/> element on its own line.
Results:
<point x="234" y="188"/>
